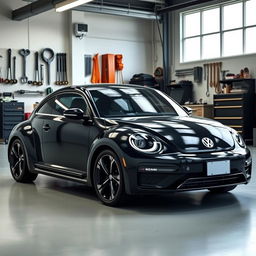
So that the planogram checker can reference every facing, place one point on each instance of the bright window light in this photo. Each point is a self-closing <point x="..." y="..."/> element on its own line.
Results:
<point x="192" y="24"/>
<point x="250" y="46"/>
<point x="211" y="46"/>
<point x="211" y="20"/>
<point x="233" y="16"/>
<point x="233" y="43"/>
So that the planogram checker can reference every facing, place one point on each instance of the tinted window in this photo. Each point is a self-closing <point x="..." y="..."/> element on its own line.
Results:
<point x="119" y="102"/>
<point x="56" y="106"/>
<point x="48" y="107"/>
<point x="67" y="101"/>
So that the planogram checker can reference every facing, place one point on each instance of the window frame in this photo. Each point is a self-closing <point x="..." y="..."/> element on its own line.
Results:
<point x="221" y="31"/>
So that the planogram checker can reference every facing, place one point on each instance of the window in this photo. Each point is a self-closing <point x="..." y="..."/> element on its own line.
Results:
<point x="48" y="107"/>
<point x="56" y="106"/>
<point x="125" y="102"/>
<point x="223" y="30"/>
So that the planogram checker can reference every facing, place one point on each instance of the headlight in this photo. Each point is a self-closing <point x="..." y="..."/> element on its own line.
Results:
<point x="145" y="143"/>
<point x="238" y="138"/>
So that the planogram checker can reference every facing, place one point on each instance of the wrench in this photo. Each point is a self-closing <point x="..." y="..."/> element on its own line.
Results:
<point x="41" y="74"/>
<point x="15" y="81"/>
<point x="9" y="80"/>
<point x="24" y="53"/>
<point x="36" y="81"/>
<point x="47" y="56"/>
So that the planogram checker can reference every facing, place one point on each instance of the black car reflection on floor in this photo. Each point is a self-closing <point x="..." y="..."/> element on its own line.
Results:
<point x="126" y="140"/>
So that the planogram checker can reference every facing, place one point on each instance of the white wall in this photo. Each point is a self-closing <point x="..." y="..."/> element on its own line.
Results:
<point x="131" y="37"/>
<point x="49" y="29"/>
<point x="234" y="64"/>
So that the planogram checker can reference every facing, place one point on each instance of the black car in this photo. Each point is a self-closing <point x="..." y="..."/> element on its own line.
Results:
<point x="126" y="140"/>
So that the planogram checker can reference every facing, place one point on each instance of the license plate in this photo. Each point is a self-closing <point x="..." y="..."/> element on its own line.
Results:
<point x="218" y="168"/>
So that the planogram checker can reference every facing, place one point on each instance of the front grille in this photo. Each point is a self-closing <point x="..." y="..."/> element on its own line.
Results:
<point x="206" y="182"/>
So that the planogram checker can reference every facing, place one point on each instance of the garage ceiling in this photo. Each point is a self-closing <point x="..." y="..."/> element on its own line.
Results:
<point x="137" y="8"/>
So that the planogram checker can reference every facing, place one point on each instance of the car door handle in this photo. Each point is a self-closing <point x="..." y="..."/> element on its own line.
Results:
<point x="46" y="127"/>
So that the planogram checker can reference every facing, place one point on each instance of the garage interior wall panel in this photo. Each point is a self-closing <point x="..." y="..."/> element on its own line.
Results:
<point x="49" y="29"/>
<point x="131" y="37"/>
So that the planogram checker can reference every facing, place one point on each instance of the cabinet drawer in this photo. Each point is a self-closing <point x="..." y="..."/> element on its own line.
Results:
<point x="16" y="119"/>
<point x="228" y="103"/>
<point x="228" y="112"/>
<point x="230" y="122"/>
<point x="13" y="106"/>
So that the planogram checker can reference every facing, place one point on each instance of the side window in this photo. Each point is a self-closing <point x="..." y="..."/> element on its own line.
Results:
<point x="67" y="101"/>
<point x="48" y="107"/>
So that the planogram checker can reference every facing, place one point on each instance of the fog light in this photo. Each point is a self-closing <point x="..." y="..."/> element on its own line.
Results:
<point x="248" y="162"/>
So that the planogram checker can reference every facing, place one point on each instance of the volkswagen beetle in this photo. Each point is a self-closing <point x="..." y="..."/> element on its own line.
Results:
<point x="123" y="139"/>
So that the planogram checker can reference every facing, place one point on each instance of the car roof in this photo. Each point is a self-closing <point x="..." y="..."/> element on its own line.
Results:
<point x="96" y="86"/>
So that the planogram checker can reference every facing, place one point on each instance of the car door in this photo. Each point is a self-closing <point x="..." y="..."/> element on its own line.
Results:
<point x="65" y="141"/>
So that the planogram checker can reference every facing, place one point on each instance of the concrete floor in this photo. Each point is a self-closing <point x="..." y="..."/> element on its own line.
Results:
<point x="56" y="217"/>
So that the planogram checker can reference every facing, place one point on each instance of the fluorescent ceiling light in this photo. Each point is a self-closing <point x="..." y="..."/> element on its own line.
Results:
<point x="69" y="4"/>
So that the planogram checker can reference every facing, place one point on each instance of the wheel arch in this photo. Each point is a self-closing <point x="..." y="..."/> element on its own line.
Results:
<point x="104" y="144"/>
<point x="15" y="137"/>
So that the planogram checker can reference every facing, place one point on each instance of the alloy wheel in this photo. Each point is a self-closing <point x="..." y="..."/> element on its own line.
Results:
<point x="17" y="160"/>
<point x="107" y="178"/>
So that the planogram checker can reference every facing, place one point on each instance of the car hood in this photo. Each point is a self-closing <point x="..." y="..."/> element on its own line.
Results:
<point x="185" y="133"/>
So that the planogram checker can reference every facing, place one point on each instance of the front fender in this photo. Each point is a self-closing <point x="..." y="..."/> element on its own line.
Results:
<point x="97" y="146"/>
<point x="24" y="132"/>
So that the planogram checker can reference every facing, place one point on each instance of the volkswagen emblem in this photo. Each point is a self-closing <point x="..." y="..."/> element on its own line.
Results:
<point x="207" y="142"/>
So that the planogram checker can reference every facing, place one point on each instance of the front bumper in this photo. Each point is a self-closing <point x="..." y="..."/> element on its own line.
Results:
<point x="184" y="172"/>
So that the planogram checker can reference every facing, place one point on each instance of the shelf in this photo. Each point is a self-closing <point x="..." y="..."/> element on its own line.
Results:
<point x="230" y="81"/>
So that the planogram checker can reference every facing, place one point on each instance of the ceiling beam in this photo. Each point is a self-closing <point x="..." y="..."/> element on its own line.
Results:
<point x="174" y="7"/>
<point x="33" y="9"/>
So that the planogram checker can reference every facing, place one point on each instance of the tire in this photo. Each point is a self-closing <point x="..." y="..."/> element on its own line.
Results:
<point x="108" y="179"/>
<point x="18" y="163"/>
<point x="222" y="189"/>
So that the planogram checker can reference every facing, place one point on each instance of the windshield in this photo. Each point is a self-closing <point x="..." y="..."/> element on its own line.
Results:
<point x="114" y="102"/>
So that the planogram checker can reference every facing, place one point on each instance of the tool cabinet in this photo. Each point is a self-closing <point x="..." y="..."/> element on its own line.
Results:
<point x="11" y="113"/>
<point x="237" y="110"/>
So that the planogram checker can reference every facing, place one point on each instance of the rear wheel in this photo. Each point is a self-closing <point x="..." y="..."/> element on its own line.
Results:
<point x="222" y="189"/>
<point x="18" y="163"/>
<point x="108" y="178"/>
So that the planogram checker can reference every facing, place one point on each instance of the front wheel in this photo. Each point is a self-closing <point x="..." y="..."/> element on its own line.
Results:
<point x="108" y="178"/>
<point x="18" y="163"/>
<point x="222" y="189"/>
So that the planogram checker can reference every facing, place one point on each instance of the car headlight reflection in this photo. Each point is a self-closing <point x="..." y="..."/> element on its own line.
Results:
<point x="145" y="143"/>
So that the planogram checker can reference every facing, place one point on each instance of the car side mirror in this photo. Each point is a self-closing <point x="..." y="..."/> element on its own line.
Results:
<point x="188" y="110"/>
<point x="75" y="114"/>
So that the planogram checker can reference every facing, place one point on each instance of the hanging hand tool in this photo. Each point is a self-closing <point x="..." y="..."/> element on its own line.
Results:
<point x="57" y="69"/>
<point x="205" y="71"/>
<point x="21" y="92"/>
<point x="24" y="53"/>
<point x="8" y="79"/>
<point x="36" y="81"/>
<point x="41" y="74"/>
<point x="208" y="78"/>
<point x="65" y="70"/>
<point x="15" y="81"/>
<point x="48" y="59"/>
<point x="1" y="72"/>
<point x="61" y="69"/>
